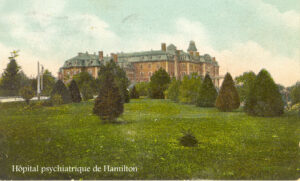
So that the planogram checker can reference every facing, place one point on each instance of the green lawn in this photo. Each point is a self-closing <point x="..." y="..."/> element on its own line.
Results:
<point x="232" y="145"/>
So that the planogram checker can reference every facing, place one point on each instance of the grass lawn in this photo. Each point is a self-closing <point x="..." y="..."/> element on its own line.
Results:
<point x="232" y="145"/>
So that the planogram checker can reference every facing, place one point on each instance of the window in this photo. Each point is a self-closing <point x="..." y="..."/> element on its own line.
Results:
<point x="149" y="65"/>
<point x="157" y="66"/>
<point x="141" y="66"/>
<point x="150" y="74"/>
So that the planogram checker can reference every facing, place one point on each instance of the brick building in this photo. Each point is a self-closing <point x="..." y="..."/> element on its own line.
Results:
<point x="140" y="66"/>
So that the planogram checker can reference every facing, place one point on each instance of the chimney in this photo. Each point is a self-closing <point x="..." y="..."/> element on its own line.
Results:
<point x="214" y="59"/>
<point x="114" y="57"/>
<point x="163" y="47"/>
<point x="100" y="55"/>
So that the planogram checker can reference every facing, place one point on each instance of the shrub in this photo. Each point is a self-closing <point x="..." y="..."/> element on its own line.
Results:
<point x="74" y="90"/>
<point x="60" y="89"/>
<point x="188" y="139"/>
<point x="47" y="103"/>
<point x="228" y="98"/>
<point x="27" y="93"/>
<point x="158" y="84"/>
<point x="142" y="88"/>
<point x="173" y="90"/>
<point x="207" y="94"/>
<point x="189" y="88"/>
<point x="133" y="93"/>
<point x="264" y="98"/>
<point x="109" y="104"/>
<point x="56" y="99"/>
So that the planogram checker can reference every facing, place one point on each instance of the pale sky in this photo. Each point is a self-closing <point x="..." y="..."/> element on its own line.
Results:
<point x="243" y="35"/>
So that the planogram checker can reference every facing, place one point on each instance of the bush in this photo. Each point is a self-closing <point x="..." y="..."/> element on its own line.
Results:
<point x="56" y="99"/>
<point x="207" y="94"/>
<point x="74" y="90"/>
<point x="188" y="139"/>
<point x="60" y="89"/>
<point x="87" y="92"/>
<point x="228" y="98"/>
<point x="142" y="88"/>
<point x="189" y="88"/>
<point x="133" y="93"/>
<point x="47" y="103"/>
<point x="109" y="104"/>
<point x="264" y="98"/>
<point x="27" y="93"/>
<point x="158" y="84"/>
<point x="173" y="90"/>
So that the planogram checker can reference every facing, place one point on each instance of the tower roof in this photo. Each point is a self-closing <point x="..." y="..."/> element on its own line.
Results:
<point x="192" y="47"/>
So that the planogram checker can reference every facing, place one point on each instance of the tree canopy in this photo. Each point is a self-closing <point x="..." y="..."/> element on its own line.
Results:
<point x="158" y="84"/>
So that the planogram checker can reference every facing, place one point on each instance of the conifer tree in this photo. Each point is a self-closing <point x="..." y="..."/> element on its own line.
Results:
<point x="158" y="84"/>
<point x="207" y="94"/>
<point x="228" y="98"/>
<point x="109" y="104"/>
<point x="133" y="93"/>
<point x="74" y="91"/>
<point x="173" y="90"/>
<point x="11" y="79"/>
<point x="264" y="97"/>
<point x="60" y="89"/>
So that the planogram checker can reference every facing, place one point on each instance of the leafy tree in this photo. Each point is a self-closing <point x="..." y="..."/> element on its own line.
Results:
<point x="158" y="84"/>
<point x="142" y="88"/>
<point x="133" y="93"/>
<point x="207" y="94"/>
<point x="264" y="98"/>
<point x="60" y="89"/>
<point x="189" y="88"/>
<point x="74" y="90"/>
<point x="121" y="80"/>
<point x="27" y="93"/>
<point x="173" y="90"/>
<point x="48" y="82"/>
<point x="109" y="104"/>
<point x="10" y="83"/>
<point x="295" y="93"/>
<point x="228" y="98"/>
<point x="87" y="91"/>
<point x="83" y="79"/>
<point x="244" y="82"/>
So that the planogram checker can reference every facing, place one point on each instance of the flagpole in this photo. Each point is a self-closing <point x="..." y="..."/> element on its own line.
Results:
<point x="38" y="81"/>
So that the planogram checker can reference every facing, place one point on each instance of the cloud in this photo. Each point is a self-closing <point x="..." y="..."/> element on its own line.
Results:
<point x="252" y="56"/>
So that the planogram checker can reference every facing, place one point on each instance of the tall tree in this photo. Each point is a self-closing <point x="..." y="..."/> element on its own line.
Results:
<point x="109" y="104"/>
<point x="244" y="83"/>
<point x="207" y="94"/>
<point x="74" y="91"/>
<point x="60" y="89"/>
<point x="264" y="98"/>
<point x="158" y="84"/>
<point x="189" y="88"/>
<point x="173" y="90"/>
<point x="295" y="93"/>
<point x="228" y="98"/>
<point x="84" y="79"/>
<point x="11" y="83"/>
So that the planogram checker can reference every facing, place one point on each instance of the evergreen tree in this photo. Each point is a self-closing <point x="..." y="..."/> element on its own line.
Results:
<point x="264" y="98"/>
<point x="109" y="104"/>
<point x="158" y="84"/>
<point x="74" y="90"/>
<point x="11" y="79"/>
<point x="173" y="90"/>
<point x="189" y="88"/>
<point x="228" y="98"/>
<point x="207" y="94"/>
<point x="244" y="83"/>
<point x="133" y="93"/>
<point x="60" y="89"/>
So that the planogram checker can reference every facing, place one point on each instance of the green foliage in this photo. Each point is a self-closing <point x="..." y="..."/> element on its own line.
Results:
<point x="48" y="83"/>
<point x="207" y="94"/>
<point x="264" y="98"/>
<point x="84" y="79"/>
<point x="86" y="91"/>
<point x="158" y="84"/>
<point x="26" y="93"/>
<point x="74" y="90"/>
<point x="188" y="139"/>
<point x="133" y="93"/>
<point x="172" y="92"/>
<point x="142" y="88"/>
<point x="189" y="88"/>
<point x="109" y="103"/>
<point x="244" y="83"/>
<point x="60" y="89"/>
<point x="56" y="99"/>
<point x="228" y="98"/>
<point x="11" y="79"/>
<point x="295" y="94"/>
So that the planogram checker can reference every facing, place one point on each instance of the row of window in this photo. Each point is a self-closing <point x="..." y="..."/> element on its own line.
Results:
<point x="150" y="65"/>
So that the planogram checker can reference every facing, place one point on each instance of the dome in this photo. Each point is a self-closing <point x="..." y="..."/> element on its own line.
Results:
<point x="192" y="47"/>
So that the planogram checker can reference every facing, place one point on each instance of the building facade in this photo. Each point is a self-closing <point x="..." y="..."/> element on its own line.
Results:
<point x="140" y="66"/>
